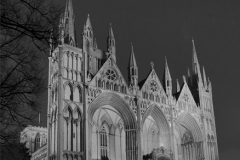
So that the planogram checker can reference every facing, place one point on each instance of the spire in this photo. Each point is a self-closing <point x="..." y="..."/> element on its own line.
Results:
<point x="167" y="79"/>
<point x="88" y="32"/>
<point x="88" y="22"/>
<point x="178" y="86"/>
<point x="132" y="60"/>
<point x="110" y="32"/>
<point x="195" y="64"/>
<point x="111" y="44"/>
<point x="68" y="24"/>
<point x="167" y="72"/>
<point x="132" y="69"/>
<point x="95" y="43"/>
<point x="204" y="78"/>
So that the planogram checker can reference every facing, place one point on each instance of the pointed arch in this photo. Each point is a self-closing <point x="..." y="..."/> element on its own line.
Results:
<point x="189" y="122"/>
<point x="126" y="114"/>
<point x="162" y="123"/>
<point x="68" y="91"/>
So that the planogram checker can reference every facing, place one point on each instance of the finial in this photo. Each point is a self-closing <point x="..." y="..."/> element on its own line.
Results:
<point x="110" y="24"/>
<point x="152" y="64"/>
<point x="88" y="15"/>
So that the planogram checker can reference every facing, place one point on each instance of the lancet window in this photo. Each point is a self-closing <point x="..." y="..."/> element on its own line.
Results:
<point x="104" y="144"/>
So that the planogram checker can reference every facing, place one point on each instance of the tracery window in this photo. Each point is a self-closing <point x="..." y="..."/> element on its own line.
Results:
<point x="111" y="74"/>
<point x="103" y="139"/>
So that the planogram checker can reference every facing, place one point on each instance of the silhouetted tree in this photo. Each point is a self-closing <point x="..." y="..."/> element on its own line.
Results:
<point x="25" y="30"/>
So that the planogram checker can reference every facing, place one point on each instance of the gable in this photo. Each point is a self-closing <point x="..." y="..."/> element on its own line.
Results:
<point x="185" y="100"/>
<point x="109" y="74"/>
<point x="152" y="87"/>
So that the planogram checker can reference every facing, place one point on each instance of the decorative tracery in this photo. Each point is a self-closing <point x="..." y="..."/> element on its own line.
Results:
<point x="153" y="86"/>
<point x="111" y="74"/>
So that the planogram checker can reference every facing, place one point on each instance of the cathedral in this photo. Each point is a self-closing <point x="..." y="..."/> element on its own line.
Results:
<point x="95" y="114"/>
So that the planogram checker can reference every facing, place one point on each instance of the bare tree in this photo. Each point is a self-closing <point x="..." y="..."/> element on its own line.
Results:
<point x="25" y="28"/>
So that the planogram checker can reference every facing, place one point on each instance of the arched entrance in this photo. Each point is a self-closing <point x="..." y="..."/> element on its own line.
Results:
<point x="156" y="132"/>
<point x="114" y="134"/>
<point x="190" y="136"/>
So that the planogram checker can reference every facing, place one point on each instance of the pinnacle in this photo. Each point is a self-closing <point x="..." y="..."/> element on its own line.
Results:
<point x="110" y="33"/>
<point x="88" y="22"/>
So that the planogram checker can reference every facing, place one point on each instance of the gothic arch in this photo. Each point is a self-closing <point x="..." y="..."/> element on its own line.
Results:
<point x="155" y="111"/>
<point x="191" y="137"/>
<point x="117" y="103"/>
<point x="189" y="122"/>
<point x="163" y="134"/>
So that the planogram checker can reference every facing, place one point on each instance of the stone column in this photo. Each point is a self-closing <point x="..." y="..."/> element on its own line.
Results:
<point x="139" y="129"/>
<point x="194" y="153"/>
<point x="182" y="151"/>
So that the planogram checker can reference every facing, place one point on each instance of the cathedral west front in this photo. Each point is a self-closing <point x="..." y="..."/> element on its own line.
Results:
<point x="94" y="113"/>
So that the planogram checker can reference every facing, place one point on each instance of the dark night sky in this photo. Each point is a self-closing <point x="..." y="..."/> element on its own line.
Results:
<point x="162" y="28"/>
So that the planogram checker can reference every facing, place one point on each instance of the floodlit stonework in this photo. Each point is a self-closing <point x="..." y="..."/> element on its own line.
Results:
<point x="95" y="114"/>
<point x="34" y="137"/>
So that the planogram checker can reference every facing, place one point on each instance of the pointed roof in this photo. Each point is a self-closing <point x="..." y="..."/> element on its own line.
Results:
<point x="132" y="60"/>
<point x="88" y="22"/>
<point x="95" y="43"/>
<point x="110" y="32"/>
<point x="167" y="72"/>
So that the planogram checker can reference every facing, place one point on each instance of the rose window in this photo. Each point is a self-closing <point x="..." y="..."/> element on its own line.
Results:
<point x="153" y="86"/>
<point x="111" y="74"/>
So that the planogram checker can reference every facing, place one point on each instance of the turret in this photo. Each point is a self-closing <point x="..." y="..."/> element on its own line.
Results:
<point x="111" y="45"/>
<point x="67" y="26"/>
<point x="167" y="79"/>
<point x="132" y="69"/>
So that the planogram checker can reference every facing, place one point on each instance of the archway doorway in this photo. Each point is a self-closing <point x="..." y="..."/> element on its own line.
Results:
<point x="156" y="132"/>
<point x="190" y="138"/>
<point x="114" y="134"/>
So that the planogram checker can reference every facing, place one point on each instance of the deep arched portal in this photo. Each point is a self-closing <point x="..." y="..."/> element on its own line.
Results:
<point x="189" y="138"/>
<point x="155" y="131"/>
<point x="113" y="131"/>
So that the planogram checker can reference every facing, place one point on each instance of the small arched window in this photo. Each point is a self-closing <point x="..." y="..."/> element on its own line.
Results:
<point x="37" y="141"/>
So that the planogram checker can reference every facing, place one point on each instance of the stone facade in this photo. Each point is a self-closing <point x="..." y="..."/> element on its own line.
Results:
<point x="35" y="137"/>
<point x="94" y="113"/>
